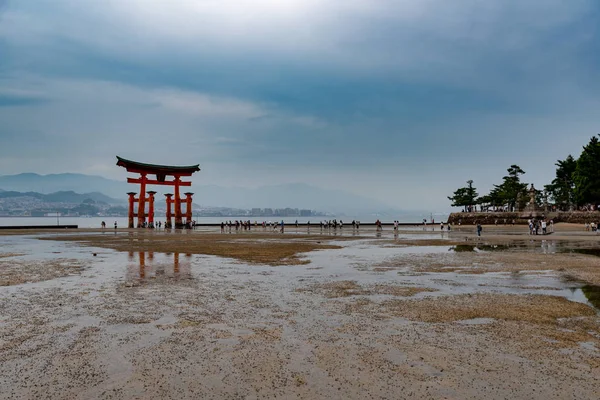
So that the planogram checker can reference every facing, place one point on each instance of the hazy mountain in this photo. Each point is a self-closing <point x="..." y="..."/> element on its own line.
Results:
<point x="294" y="195"/>
<point x="63" y="197"/>
<point x="80" y="183"/>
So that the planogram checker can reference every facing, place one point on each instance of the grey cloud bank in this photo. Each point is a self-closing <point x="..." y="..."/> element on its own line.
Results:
<point x="403" y="100"/>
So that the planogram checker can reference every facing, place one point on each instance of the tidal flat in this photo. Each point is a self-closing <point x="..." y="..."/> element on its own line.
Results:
<point x="306" y="314"/>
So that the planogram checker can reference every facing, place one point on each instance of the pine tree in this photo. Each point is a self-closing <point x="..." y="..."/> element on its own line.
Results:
<point x="464" y="196"/>
<point x="562" y="188"/>
<point x="587" y="174"/>
<point x="508" y="191"/>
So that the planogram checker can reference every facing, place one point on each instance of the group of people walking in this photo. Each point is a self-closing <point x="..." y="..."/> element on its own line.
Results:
<point x="333" y="223"/>
<point x="103" y="225"/>
<point x="540" y="227"/>
<point x="155" y="225"/>
<point x="227" y="226"/>
<point x="239" y="225"/>
<point x="247" y="225"/>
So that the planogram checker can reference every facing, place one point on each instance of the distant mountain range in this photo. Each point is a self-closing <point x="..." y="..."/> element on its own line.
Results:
<point x="63" y="197"/>
<point x="295" y="195"/>
<point x="30" y="182"/>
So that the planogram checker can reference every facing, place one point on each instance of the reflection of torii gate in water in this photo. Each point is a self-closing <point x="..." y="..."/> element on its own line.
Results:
<point x="142" y="262"/>
<point x="161" y="172"/>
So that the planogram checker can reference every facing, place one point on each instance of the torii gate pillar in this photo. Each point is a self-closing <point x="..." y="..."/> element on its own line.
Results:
<point x="168" y="222"/>
<point x="151" y="194"/>
<point x="188" y="209"/>
<point x="131" y="213"/>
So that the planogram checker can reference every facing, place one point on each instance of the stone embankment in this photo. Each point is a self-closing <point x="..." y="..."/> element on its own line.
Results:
<point x="490" y="218"/>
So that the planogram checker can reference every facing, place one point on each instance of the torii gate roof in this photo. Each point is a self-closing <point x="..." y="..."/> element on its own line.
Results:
<point x="142" y="168"/>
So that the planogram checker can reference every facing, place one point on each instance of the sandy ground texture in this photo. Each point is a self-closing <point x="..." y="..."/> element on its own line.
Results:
<point x="254" y="247"/>
<point x="255" y="316"/>
<point x="16" y="272"/>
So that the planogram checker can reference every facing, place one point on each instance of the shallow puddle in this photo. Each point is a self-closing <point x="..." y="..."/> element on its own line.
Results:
<point x="586" y="251"/>
<point x="592" y="294"/>
<point x="132" y="269"/>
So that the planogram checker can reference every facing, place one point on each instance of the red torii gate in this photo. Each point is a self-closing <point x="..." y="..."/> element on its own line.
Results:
<point x="161" y="172"/>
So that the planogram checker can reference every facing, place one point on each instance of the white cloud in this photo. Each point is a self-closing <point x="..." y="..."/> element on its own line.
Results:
<point x="352" y="34"/>
<point x="106" y="92"/>
<point x="99" y="118"/>
<point x="488" y="46"/>
<point x="205" y="105"/>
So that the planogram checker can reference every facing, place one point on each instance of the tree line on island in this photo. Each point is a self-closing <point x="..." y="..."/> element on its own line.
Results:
<point x="575" y="186"/>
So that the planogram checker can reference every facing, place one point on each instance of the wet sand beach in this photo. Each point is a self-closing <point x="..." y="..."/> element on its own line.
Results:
<point x="421" y="314"/>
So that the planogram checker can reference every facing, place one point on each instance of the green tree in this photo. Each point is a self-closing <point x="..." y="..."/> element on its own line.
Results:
<point x="464" y="196"/>
<point x="562" y="188"/>
<point x="587" y="174"/>
<point x="494" y="199"/>
<point x="510" y="188"/>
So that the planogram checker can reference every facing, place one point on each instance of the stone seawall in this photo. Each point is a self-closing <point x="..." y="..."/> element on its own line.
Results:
<point x="491" y="218"/>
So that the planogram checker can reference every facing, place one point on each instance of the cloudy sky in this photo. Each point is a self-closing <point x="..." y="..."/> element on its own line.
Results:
<point x="403" y="100"/>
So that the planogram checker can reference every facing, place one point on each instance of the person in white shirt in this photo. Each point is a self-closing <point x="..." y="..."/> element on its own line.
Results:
<point x="543" y="227"/>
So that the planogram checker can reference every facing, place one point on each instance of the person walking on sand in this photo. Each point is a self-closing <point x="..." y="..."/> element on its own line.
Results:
<point x="282" y="226"/>
<point x="115" y="224"/>
<point x="543" y="227"/>
<point x="530" y="224"/>
<point x="479" y="229"/>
